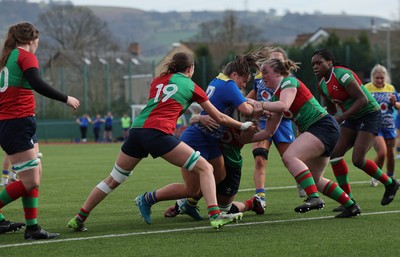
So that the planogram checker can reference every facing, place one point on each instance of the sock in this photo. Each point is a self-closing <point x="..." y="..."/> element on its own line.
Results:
<point x="192" y="201"/>
<point x="390" y="174"/>
<point x="213" y="211"/>
<point x="340" y="170"/>
<point x="5" y="174"/>
<point x="333" y="191"/>
<point x="374" y="171"/>
<point x="11" y="193"/>
<point x="249" y="204"/>
<point x="2" y="216"/>
<point x="306" y="181"/>
<point x="82" y="215"/>
<point x="32" y="227"/>
<point x="150" y="197"/>
<point x="30" y="203"/>
<point x="261" y="193"/>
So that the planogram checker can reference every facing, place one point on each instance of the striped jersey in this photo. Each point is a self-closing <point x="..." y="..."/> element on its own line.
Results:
<point x="382" y="96"/>
<point x="170" y="96"/>
<point x="16" y="95"/>
<point x="335" y="91"/>
<point x="305" y="109"/>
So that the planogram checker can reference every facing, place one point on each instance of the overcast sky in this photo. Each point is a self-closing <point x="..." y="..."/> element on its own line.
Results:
<point x="388" y="9"/>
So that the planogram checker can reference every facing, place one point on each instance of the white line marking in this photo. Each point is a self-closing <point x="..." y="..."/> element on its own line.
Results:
<point x="287" y="187"/>
<point x="180" y="230"/>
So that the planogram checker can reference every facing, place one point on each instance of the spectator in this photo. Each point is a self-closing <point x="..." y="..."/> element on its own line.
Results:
<point x="83" y="125"/>
<point x="97" y="122"/>
<point x="107" y="135"/>
<point x="126" y="123"/>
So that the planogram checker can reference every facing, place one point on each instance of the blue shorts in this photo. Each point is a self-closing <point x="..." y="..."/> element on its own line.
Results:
<point x="144" y="141"/>
<point x="283" y="134"/>
<point x="370" y="122"/>
<point x="207" y="146"/>
<point x="387" y="133"/>
<point x="230" y="185"/>
<point x="326" y="130"/>
<point x="18" y="135"/>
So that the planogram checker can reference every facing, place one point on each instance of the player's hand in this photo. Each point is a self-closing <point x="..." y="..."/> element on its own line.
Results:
<point x="73" y="102"/>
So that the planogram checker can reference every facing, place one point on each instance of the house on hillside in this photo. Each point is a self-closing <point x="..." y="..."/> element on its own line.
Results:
<point x="383" y="40"/>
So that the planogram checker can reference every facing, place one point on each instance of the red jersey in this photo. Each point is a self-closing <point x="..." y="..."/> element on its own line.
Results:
<point x="16" y="95"/>
<point x="169" y="98"/>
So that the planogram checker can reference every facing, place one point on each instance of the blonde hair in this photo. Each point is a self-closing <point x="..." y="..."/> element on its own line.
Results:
<point x="380" y="68"/>
<point x="283" y="68"/>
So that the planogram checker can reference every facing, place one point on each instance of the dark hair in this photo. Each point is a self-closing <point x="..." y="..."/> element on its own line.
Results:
<point x="18" y="34"/>
<point x="326" y="54"/>
<point x="282" y="67"/>
<point x="241" y="65"/>
<point x="178" y="63"/>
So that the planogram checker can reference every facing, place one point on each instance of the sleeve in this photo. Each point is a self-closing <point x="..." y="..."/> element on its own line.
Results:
<point x="233" y="94"/>
<point x="345" y="78"/>
<point x="199" y="95"/>
<point x="37" y="84"/>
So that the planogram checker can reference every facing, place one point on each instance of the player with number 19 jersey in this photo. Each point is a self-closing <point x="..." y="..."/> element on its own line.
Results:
<point x="170" y="96"/>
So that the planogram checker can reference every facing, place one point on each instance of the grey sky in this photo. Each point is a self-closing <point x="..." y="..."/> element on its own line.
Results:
<point x="389" y="9"/>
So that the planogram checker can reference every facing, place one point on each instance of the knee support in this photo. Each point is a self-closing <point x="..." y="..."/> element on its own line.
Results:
<point x="27" y="165"/>
<point x="335" y="160"/>
<point x="119" y="174"/>
<point x="260" y="152"/>
<point x="192" y="160"/>
<point x="104" y="187"/>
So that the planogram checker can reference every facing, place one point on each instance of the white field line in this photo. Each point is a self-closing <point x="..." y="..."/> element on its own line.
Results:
<point x="189" y="229"/>
<point x="294" y="186"/>
<point x="181" y="230"/>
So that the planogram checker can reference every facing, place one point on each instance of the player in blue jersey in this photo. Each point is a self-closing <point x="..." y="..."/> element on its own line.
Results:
<point x="386" y="96"/>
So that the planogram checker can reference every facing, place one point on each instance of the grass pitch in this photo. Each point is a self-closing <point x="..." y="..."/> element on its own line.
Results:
<point x="70" y="171"/>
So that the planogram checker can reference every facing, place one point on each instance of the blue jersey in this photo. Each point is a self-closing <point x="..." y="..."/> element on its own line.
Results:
<point x="382" y="96"/>
<point x="284" y="133"/>
<point x="264" y="93"/>
<point x="225" y="95"/>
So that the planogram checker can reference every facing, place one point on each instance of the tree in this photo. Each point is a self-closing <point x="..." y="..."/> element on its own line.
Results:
<point x="68" y="35"/>
<point x="75" y="28"/>
<point x="228" y="30"/>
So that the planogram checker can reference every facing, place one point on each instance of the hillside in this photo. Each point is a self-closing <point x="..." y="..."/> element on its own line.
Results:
<point x="156" y="31"/>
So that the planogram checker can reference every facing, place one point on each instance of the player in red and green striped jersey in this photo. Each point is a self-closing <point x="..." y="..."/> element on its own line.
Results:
<point x="359" y="122"/>
<point x="152" y="133"/>
<point x="19" y="76"/>
<point x="308" y="156"/>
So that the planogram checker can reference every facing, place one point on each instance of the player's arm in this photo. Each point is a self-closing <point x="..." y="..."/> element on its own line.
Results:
<point x="40" y="86"/>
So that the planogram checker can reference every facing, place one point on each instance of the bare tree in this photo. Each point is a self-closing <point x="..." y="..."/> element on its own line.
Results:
<point x="75" y="28"/>
<point x="228" y="31"/>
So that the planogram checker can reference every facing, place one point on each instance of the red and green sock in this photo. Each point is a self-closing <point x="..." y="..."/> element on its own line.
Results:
<point x="30" y="203"/>
<point x="213" y="211"/>
<point x="306" y="181"/>
<point x="340" y="170"/>
<point x="374" y="171"/>
<point x="333" y="191"/>
<point x="11" y="193"/>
